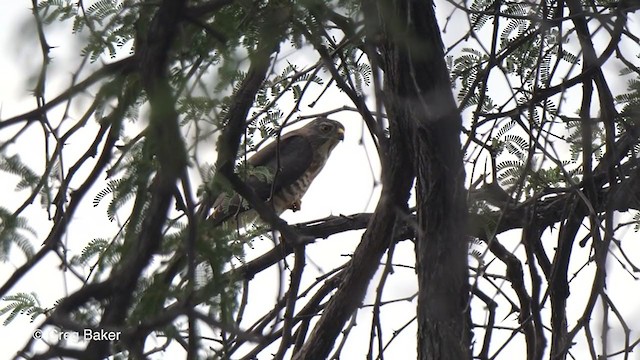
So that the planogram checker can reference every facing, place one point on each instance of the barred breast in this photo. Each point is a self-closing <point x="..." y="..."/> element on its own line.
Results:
<point x="291" y="194"/>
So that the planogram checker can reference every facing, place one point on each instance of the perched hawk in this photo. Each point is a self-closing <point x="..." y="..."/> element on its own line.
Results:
<point x="298" y="157"/>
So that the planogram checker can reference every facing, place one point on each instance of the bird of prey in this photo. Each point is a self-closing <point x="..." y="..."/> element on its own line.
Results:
<point x="293" y="162"/>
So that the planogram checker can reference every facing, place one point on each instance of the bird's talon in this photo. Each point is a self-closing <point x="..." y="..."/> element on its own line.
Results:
<point x="297" y="205"/>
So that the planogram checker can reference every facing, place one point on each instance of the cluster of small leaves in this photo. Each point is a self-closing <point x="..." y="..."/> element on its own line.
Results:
<point x="261" y="173"/>
<point x="516" y="170"/>
<point x="252" y="24"/>
<point x="236" y="19"/>
<point x="533" y="59"/>
<point x="266" y="126"/>
<point x="510" y="172"/>
<point x="218" y="247"/>
<point x="135" y="167"/>
<point x="267" y="117"/>
<point x="100" y="254"/>
<point x="636" y="220"/>
<point x="29" y="179"/>
<point x="517" y="25"/>
<point x="110" y="22"/>
<point x="113" y="187"/>
<point x="465" y="69"/>
<point x="132" y="114"/>
<point x="543" y="179"/>
<point x="207" y="173"/>
<point x="576" y="141"/>
<point x="99" y="12"/>
<point x="630" y="116"/>
<point x="52" y="10"/>
<point x="215" y="248"/>
<point x="151" y="296"/>
<point x="354" y="69"/>
<point x="243" y="25"/>
<point x="479" y="9"/>
<point x="197" y="108"/>
<point x="290" y="79"/>
<point x="22" y="304"/>
<point x="245" y="171"/>
<point x="630" y="100"/>
<point x="14" y="165"/>
<point x="11" y="234"/>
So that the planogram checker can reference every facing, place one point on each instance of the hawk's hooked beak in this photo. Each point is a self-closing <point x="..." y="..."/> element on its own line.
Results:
<point x="340" y="133"/>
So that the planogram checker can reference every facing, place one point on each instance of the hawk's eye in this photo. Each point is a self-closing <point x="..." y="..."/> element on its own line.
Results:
<point x="325" y="128"/>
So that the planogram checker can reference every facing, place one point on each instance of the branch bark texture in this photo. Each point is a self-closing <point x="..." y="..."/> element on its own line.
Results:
<point x="421" y="109"/>
<point x="418" y="94"/>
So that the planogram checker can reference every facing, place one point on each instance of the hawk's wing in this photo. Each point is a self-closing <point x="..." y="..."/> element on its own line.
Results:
<point x="293" y="154"/>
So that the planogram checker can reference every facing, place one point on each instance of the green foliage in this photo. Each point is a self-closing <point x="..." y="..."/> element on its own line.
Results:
<point x="576" y="141"/>
<point x="100" y="255"/>
<point x="530" y="63"/>
<point x="111" y="26"/>
<point x="266" y="118"/>
<point x="121" y="191"/>
<point x="197" y="108"/>
<point x="466" y="69"/>
<point x="52" y="10"/>
<point x="245" y="170"/>
<point x="218" y="247"/>
<point x="510" y="172"/>
<point x="543" y="179"/>
<point x="516" y="145"/>
<point x="513" y="169"/>
<point x="110" y="23"/>
<point x="14" y="165"/>
<point x="135" y="167"/>
<point x="207" y="173"/>
<point x="289" y="80"/>
<point x="630" y="101"/>
<point x="12" y="229"/>
<point x="208" y="62"/>
<point x="22" y="304"/>
<point x="355" y="70"/>
<point x="478" y="16"/>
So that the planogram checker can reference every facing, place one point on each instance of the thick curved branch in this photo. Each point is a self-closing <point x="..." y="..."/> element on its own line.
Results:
<point x="168" y="146"/>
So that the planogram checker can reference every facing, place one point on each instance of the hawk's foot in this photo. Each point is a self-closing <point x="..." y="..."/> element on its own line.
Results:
<point x="297" y="205"/>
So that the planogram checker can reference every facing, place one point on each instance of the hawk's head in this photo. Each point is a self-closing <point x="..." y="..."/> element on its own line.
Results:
<point x="324" y="134"/>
